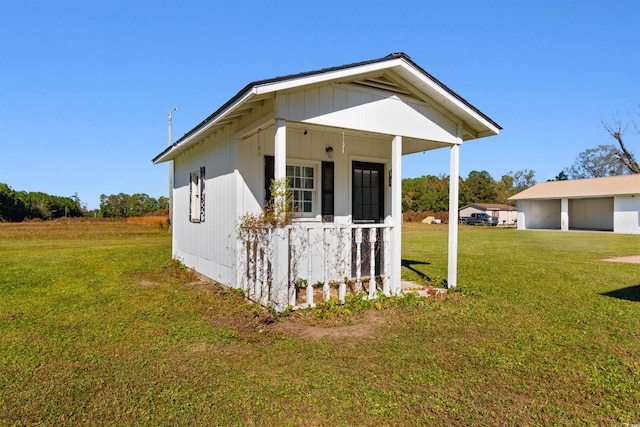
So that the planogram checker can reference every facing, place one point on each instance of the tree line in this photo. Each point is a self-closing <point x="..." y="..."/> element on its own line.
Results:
<point x="431" y="193"/>
<point x="17" y="206"/>
<point x="124" y="205"/>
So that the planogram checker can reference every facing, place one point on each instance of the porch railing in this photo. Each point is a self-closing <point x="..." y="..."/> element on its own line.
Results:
<point x="324" y="261"/>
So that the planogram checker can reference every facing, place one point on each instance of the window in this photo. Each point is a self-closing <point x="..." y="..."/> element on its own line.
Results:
<point x="302" y="187"/>
<point x="196" y="196"/>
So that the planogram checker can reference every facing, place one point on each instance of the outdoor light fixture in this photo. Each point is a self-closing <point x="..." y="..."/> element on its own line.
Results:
<point x="329" y="151"/>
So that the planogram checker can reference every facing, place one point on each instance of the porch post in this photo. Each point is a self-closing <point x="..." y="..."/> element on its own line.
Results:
<point x="454" y="175"/>
<point x="564" y="214"/>
<point x="280" y="151"/>
<point x="396" y="214"/>
<point x="279" y="294"/>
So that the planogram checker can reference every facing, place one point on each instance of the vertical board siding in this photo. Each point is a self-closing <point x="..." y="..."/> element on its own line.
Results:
<point x="206" y="246"/>
<point x="353" y="107"/>
<point x="626" y="214"/>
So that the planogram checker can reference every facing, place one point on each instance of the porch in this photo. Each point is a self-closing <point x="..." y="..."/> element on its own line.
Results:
<point x="323" y="261"/>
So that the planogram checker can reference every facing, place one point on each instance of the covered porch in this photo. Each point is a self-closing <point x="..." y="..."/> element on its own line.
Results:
<point x="353" y="250"/>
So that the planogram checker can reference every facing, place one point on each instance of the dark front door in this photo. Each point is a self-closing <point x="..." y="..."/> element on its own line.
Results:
<point x="368" y="192"/>
<point x="367" y="208"/>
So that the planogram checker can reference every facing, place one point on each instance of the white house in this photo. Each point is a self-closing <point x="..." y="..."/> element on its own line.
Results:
<point x="506" y="214"/>
<point x="337" y="135"/>
<point x="605" y="204"/>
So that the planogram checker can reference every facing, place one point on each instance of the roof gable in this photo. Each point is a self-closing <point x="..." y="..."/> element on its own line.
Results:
<point x="395" y="73"/>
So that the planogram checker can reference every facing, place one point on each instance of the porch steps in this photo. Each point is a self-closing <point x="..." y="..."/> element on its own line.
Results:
<point x="422" y="290"/>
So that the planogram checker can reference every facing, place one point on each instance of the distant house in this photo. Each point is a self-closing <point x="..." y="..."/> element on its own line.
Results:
<point x="605" y="204"/>
<point x="506" y="214"/>
<point x="337" y="136"/>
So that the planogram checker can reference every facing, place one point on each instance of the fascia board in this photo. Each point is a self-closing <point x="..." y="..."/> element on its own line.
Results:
<point x="325" y="77"/>
<point x="438" y="93"/>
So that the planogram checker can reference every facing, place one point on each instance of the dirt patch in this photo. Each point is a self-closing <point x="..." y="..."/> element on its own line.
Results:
<point x="634" y="259"/>
<point x="266" y="326"/>
<point x="366" y="327"/>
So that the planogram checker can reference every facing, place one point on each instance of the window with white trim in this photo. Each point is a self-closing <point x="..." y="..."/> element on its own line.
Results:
<point x="302" y="184"/>
<point x="196" y="196"/>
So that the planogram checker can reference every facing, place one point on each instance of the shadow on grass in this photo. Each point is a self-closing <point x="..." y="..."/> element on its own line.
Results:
<point x="409" y="264"/>
<point x="632" y="293"/>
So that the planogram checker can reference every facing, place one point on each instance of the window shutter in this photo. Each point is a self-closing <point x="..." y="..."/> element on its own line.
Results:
<point x="269" y="176"/>
<point x="190" y="196"/>
<point x="202" y="194"/>
<point x="327" y="191"/>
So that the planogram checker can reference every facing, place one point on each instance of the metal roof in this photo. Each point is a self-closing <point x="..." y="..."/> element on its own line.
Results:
<point x="255" y="87"/>
<point x="624" y="185"/>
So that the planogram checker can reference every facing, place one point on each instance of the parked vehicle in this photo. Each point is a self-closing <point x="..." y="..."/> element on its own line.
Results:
<point x="479" y="219"/>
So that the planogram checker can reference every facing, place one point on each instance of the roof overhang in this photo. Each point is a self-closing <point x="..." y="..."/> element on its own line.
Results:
<point x="611" y="186"/>
<point x="418" y="82"/>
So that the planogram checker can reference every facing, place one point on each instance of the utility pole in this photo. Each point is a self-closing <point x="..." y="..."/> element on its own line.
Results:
<point x="171" y="172"/>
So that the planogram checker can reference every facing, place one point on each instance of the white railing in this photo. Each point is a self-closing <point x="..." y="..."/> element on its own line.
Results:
<point x="332" y="257"/>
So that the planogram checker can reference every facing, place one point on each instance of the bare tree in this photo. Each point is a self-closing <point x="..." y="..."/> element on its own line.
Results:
<point x="617" y="129"/>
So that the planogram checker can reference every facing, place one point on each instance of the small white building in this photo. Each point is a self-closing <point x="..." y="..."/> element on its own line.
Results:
<point x="506" y="214"/>
<point x="604" y="204"/>
<point x="337" y="136"/>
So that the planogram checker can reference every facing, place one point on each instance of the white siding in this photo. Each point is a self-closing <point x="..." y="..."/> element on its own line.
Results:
<point x="626" y="214"/>
<point x="506" y="217"/>
<point x="209" y="246"/>
<point x="310" y="149"/>
<point x="352" y="107"/>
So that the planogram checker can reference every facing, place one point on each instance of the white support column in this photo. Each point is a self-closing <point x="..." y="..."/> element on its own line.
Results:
<point x="454" y="174"/>
<point x="280" y="150"/>
<point x="564" y="214"/>
<point x="396" y="213"/>
<point x="280" y="261"/>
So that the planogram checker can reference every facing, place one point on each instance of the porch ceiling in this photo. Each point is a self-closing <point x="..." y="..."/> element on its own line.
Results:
<point x="409" y="145"/>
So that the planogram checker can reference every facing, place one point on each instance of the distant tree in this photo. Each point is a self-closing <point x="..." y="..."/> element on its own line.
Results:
<point x="609" y="159"/>
<point x="12" y="207"/>
<point x="562" y="176"/>
<point x="601" y="161"/>
<point x="124" y="205"/>
<point x="479" y="187"/>
<point x="617" y="129"/>
<point x="19" y="205"/>
<point x="426" y="193"/>
<point x="513" y="183"/>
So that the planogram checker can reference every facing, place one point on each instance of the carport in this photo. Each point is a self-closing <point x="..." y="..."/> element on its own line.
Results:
<point x="598" y="204"/>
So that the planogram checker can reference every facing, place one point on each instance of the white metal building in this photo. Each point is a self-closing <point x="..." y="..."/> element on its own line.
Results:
<point x="604" y="204"/>
<point x="337" y="135"/>
<point x="505" y="214"/>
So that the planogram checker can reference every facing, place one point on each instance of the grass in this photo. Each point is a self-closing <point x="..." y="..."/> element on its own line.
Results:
<point x="98" y="326"/>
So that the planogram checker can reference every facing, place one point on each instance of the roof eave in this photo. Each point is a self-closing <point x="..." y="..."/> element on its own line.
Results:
<point x="190" y="137"/>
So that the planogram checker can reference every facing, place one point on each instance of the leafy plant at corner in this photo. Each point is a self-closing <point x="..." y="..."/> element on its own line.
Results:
<point x="277" y="212"/>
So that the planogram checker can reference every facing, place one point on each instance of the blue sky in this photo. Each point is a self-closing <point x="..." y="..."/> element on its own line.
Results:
<point x="85" y="86"/>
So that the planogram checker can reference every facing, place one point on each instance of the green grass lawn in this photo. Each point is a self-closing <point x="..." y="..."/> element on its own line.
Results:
<point x="98" y="326"/>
